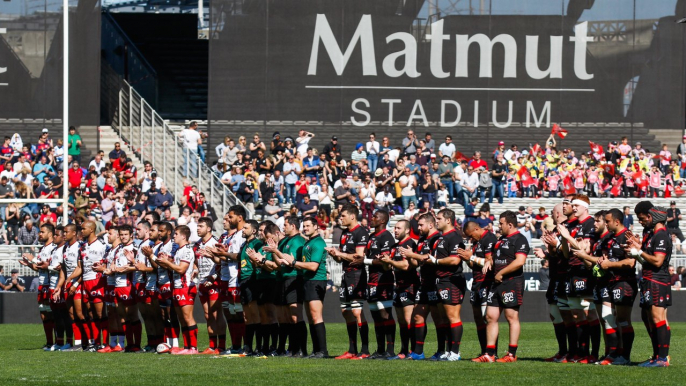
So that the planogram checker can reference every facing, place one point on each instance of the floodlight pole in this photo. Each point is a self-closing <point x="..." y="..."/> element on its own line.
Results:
<point x="65" y="113"/>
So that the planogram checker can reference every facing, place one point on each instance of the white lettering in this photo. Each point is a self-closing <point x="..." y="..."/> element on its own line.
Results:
<point x="537" y="120"/>
<point x="368" y="118"/>
<point x="390" y="108"/>
<point x="486" y="63"/>
<point x="414" y="115"/>
<point x="409" y="52"/>
<point x="580" y="39"/>
<point x="476" y="113"/>
<point x="554" y="67"/>
<point x="459" y="113"/>
<point x="363" y="34"/>
<point x="436" y="37"/>
<point x="509" y="116"/>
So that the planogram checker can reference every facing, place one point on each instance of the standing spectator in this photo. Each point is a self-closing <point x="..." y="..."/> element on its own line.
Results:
<point x="4" y="238"/>
<point x="74" y="144"/>
<point x="500" y="150"/>
<point x="334" y="147"/>
<point x="28" y="234"/>
<point x="485" y="183"/>
<point x="497" y="178"/>
<point x="191" y="140"/>
<point x="47" y="216"/>
<point x="665" y="159"/>
<point x="116" y="153"/>
<point x="408" y="183"/>
<point x="6" y="192"/>
<point x="342" y="194"/>
<point x="97" y="163"/>
<point x="524" y="223"/>
<point x="373" y="149"/>
<point x="302" y="187"/>
<point x="311" y="164"/>
<point x="540" y="219"/>
<point x="255" y="146"/>
<point x="14" y="283"/>
<point x="654" y="181"/>
<point x="447" y="148"/>
<point x="278" y="183"/>
<point x="3" y="279"/>
<point x="477" y="162"/>
<point x="246" y="192"/>
<point x="445" y="175"/>
<point x="410" y="144"/>
<point x="430" y="143"/>
<point x="544" y="275"/>
<point x="629" y="218"/>
<point x="75" y="175"/>
<point x="107" y="207"/>
<point x="302" y="142"/>
<point x="291" y="170"/>
<point x="277" y="144"/>
<point x="42" y="169"/>
<point x="673" y="218"/>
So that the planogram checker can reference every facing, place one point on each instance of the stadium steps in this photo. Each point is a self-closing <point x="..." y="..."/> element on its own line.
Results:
<point x="31" y="129"/>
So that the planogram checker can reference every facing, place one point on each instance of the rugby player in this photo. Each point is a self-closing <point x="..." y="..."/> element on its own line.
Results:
<point x="406" y="283"/>
<point x="477" y="257"/>
<point x="123" y="269"/>
<point x="116" y="343"/>
<point x="247" y="281"/>
<point x="93" y="293"/>
<point x="353" y="288"/>
<point x="69" y="282"/>
<point x="266" y="290"/>
<point x="654" y="253"/>
<point x="57" y="302"/>
<point x="208" y="286"/>
<point x="150" y="306"/>
<point x="170" y="321"/>
<point x="181" y="263"/>
<point x="507" y="292"/>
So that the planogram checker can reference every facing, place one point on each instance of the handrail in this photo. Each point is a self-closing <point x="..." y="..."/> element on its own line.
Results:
<point x="107" y="16"/>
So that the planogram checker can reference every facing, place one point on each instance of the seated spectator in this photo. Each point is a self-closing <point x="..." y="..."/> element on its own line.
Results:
<point x="163" y="199"/>
<point x="674" y="278"/>
<point x="14" y="283"/>
<point x="307" y="207"/>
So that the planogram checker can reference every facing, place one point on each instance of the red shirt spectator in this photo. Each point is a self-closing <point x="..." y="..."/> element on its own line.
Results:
<point x="477" y="162"/>
<point x="75" y="175"/>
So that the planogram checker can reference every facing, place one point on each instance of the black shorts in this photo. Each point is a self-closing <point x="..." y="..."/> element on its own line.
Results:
<point x="623" y="293"/>
<point x="248" y="288"/>
<point x="289" y="291"/>
<point x="266" y="291"/>
<point x="314" y="290"/>
<point x="601" y="294"/>
<point x="404" y="297"/>
<point x="479" y="293"/>
<point x="353" y="286"/>
<point x="380" y="292"/>
<point x="550" y="295"/>
<point x="451" y="289"/>
<point x="655" y="294"/>
<point x="508" y="294"/>
<point x="581" y="284"/>
<point x="426" y="294"/>
<point x="562" y="288"/>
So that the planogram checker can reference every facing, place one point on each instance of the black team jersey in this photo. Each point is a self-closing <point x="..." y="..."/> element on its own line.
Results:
<point x="350" y="240"/>
<point x="447" y="246"/>
<point x="404" y="279"/>
<point x="616" y="253"/>
<point x="484" y="246"/>
<point x="380" y="243"/>
<point x="506" y="251"/>
<point x="584" y="229"/>
<point x="426" y="246"/>
<point x="659" y="242"/>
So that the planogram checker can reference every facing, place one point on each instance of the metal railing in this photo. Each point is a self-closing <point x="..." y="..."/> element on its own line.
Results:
<point x="151" y="139"/>
<point x="10" y="255"/>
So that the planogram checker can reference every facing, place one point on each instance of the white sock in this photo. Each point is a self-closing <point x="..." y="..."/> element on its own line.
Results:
<point x="77" y="342"/>
<point x="175" y="342"/>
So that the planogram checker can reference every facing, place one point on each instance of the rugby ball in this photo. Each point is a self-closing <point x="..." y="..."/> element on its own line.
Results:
<point x="163" y="348"/>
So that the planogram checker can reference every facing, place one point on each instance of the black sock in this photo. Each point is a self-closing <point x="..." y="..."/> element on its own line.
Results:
<point x="274" y="332"/>
<point x="419" y="336"/>
<point x="612" y="341"/>
<point x="284" y="332"/>
<point x="352" y="337"/>
<point x="413" y="341"/>
<point x="512" y="350"/>
<point x="664" y="335"/>
<point x="456" y="330"/>
<point x="364" y="337"/>
<point x="380" y="336"/>
<point x="263" y="345"/>
<point x="490" y="350"/>
<point x="561" y="336"/>
<point x="404" y="339"/>
<point x="652" y="333"/>
<point x="584" y="335"/>
<point x="571" y="338"/>
<point x="315" y="341"/>
<point x="184" y="331"/>
<point x="250" y="334"/>
<point x="595" y="337"/>
<point x="320" y="328"/>
<point x="390" y="335"/>
<point x="627" y="341"/>
<point x="442" y="336"/>
<point x="301" y="343"/>
<point x="481" y="334"/>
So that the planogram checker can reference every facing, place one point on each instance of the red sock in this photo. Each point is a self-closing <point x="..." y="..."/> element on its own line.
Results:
<point x="186" y="337"/>
<point x="213" y="342"/>
<point x="85" y="325"/>
<point x="193" y="335"/>
<point x="95" y="331"/>
<point x="76" y="330"/>
<point x="104" y="331"/>
<point x="137" y="328"/>
<point x="175" y="332"/>
<point x="49" y="328"/>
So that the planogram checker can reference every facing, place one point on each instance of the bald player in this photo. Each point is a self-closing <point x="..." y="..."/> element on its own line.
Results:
<point x="94" y="284"/>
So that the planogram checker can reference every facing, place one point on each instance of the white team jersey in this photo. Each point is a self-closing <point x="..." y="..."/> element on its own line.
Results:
<point x="109" y="256"/>
<point x="151" y="277"/>
<point x="163" y="273"/>
<point x="56" y="258"/>
<point x="138" y="276"/>
<point x="184" y="255"/>
<point x="122" y="279"/>
<point x="72" y="254"/>
<point x="229" y="270"/>
<point x="92" y="253"/>
<point x="44" y="255"/>
<point x="206" y="266"/>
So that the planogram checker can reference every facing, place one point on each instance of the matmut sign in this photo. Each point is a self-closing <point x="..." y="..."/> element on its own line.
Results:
<point x="505" y="64"/>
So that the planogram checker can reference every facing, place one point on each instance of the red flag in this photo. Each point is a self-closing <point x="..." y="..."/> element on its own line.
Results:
<point x="535" y="149"/>
<point x="609" y="169"/>
<point x="559" y="131"/>
<point x="525" y="177"/>
<point x="459" y="157"/>
<point x="596" y="148"/>
<point x="617" y="188"/>
<point x="640" y="179"/>
<point x="568" y="185"/>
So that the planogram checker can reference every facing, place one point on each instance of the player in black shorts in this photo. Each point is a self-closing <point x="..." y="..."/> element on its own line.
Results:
<point x="406" y="283"/>
<point x="508" y="291"/>
<point x="654" y="253"/>
<point x="451" y="284"/>
<point x="353" y="290"/>
<point x="580" y="289"/>
<point x="601" y="297"/>
<point x="622" y="288"/>
<point x="380" y="286"/>
<point x="426" y="297"/>
<point x="247" y="281"/>
<point x="482" y="279"/>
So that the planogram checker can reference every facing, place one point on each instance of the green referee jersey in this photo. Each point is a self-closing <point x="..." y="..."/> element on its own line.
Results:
<point x="292" y="246"/>
<point x="314" y="252"/>
<point x="263" y="273"/>
<point x="247" y="267"/>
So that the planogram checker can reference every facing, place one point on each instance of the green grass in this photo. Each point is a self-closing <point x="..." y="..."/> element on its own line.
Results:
<point x="21" y="362"/>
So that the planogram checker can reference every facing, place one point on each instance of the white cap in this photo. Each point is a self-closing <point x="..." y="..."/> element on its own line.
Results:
<point x="45" y="129"/>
